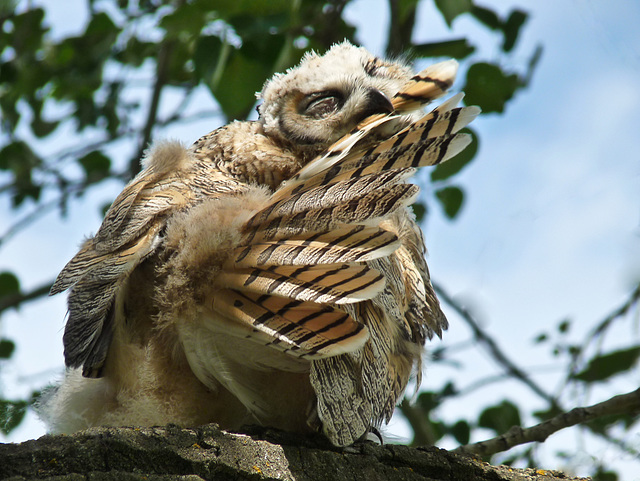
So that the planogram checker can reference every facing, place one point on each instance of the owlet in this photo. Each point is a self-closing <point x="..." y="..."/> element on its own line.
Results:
<point x="272" y="272"/>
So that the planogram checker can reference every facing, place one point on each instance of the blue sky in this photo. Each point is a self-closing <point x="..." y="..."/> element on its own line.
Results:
<point x="550" y="228"/>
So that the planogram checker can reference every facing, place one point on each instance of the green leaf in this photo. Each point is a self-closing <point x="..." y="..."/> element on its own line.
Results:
<point x="186" y="22"/>
<point x="548" y="414"/>
<point x="603" y="474"/>
<point x="449" y="389"/>
<point x="459" y="49"/>
<point x="438" y="429"/>
<point x="487" y="17"/>
<point x="419" y="210"/>
<point x="450" y="9"/>
<point x="9" y="284"/>
<point x="227" y="9"/>
<point x="501" y="417"/>
<point x="42" y="128"/>
<point x="136" y="51"/>
<point x="248" y="25"/>
<point x="540" y="338"/>
<point x="28" y="31"/>
<point x="574" y="350"/>
<point x="405" y="9"/>
<point x="427" y="401"/>
<point x="451" y="199"/>
<point x="603" y="367"/>
<point x="18" y="158"/>
<point x="461" y="431"/>
<point x="7" y="7"/>
<point x="6" y="348"/>
<point x="456" y="164"/>
<point x="206" y="60"/>
<point x="243" y="76"/>
<point x="11" y="414"/>
<point x="96" y="166"/>
<point x="489" y="87"/>
<point x="602" y="424"/>
<point x="511" y="29"/>
<point x="564" y="326"/>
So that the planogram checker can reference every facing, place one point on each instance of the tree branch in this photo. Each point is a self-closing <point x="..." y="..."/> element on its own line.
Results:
<point x="622" y="404"/>
<point x="493" y="348"/>
<point x="422" y="429"/>
<point x="403" y="17"/>
<point x="598" y="331"/>
<point x="162" y="72"/>
<point x="27" y="220"/>
<point x="206" y="452"/>
<point x="14" y="300"/>
<point x="621" y="311"/>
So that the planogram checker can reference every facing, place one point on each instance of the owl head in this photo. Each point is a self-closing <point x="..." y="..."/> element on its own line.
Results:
<point x="314" y="104"/>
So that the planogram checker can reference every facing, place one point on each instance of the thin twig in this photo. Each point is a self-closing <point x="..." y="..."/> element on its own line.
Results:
<point x="27" y="220"/>
<point x="493" y="348"/>
<point x="596" y="332"/>
<point x="622" y="404"/>
<point x="14" y="300"/>
<point x="162" y="70"/>
<point x="403" y="17"/>
<point x="422" y="428"/>
<point x="621" y="311"/>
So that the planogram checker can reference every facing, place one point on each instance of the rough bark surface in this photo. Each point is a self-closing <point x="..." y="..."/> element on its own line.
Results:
<point x="208" y="453"/>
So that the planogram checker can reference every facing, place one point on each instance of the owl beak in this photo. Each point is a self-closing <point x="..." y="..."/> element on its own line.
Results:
<point x="377" y="103"/>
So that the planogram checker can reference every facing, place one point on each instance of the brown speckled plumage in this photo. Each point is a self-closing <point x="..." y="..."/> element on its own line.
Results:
<point x="271" y="272"/>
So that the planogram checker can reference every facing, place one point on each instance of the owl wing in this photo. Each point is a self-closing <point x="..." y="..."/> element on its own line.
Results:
<point x="309" y="250"/>
<point x="130" y="232"/>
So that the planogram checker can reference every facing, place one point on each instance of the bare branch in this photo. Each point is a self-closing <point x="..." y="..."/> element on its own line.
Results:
<point x="162" y="68"/>
<point x="27" y="220"/>
<point x="493" y="348"/>
<point x="403" y="18"/>
<point x="14" y="300"/>
<point x="622" y="404"/>
<point x="621" y="311"/>
<point x="422" y="429"/>
<point x="597" y="332"/>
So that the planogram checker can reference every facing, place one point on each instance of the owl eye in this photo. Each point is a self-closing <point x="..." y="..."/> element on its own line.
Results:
<point x="322" y="104"/>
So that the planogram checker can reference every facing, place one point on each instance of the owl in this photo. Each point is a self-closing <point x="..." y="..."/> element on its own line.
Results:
<point x="272" y="272"/>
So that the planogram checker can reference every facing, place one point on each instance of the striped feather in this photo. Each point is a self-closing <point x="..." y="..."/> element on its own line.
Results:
<point x="119" y="210"/>
<point x="429" y="141"/>
<point x="365" y="209"/>
<point x="130" y="217"/>
<point x="95" y="280"/>
<point x="330" y="195"/>
<point x="345" y="244"/>
<point x="108" y="266"/>
<point x="301" y="329"/>
<point x="336" y="153"/>
<point x="89" y="328"/>
<point x="427" y="85"/>
<point x="323" y="283"/>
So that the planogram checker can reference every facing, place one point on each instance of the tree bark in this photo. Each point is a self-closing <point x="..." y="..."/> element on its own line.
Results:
<point x="208" y="453"/>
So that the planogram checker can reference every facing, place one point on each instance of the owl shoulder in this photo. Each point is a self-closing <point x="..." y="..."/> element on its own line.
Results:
<point x="243" y="151"/>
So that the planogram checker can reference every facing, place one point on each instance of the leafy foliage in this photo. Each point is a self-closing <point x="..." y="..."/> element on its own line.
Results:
<point x="11" y="414"/>
<point x="605" y="366"/>
<point x="87" y="88"/>
<point x="451" y="199"/>
<point x="500" y="417"/>
<point x="6" y="348"/>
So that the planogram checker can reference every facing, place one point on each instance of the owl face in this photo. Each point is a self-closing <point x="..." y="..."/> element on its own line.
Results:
<point x="314" y="104"/>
